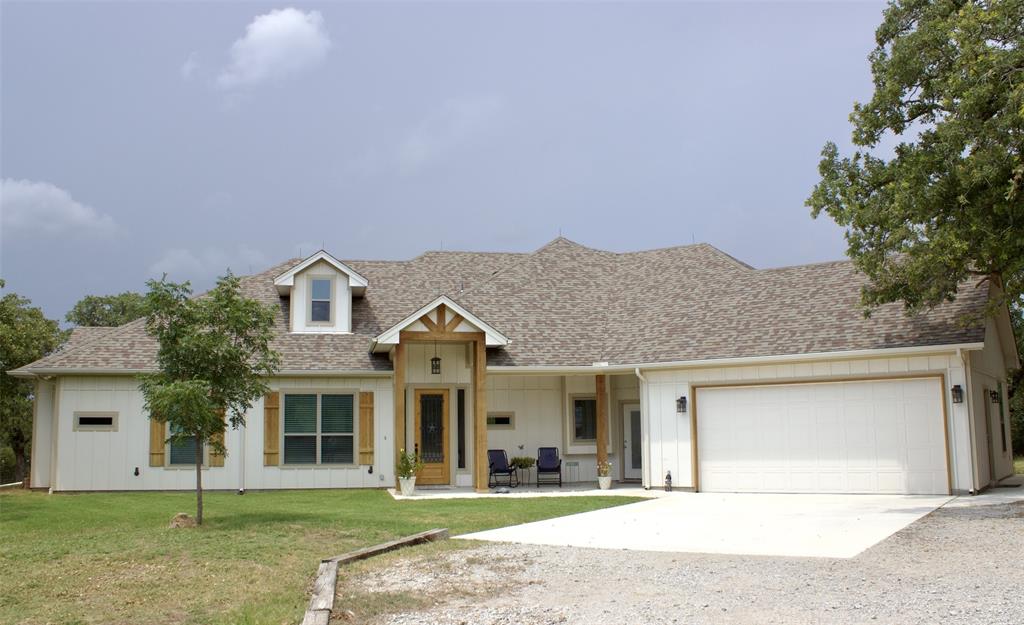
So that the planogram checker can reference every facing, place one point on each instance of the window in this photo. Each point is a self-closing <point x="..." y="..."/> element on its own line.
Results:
<point x="320" y="300"/>
<point x="1002" y="417"/>
<point x="319" y="429"/>
<point x="183" y="451"/>
<point x="95" y="422"/>
<point x="461" y="433"/>
<point x="501" y="421"/>
<point x="584" y="419"/>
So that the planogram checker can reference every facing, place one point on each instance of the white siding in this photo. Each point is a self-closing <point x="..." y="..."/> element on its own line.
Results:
<point x="670" y="433"/>
<point x="107" y="460"/>
<point x="42" y="435"/>
<point x="988" y="372"/>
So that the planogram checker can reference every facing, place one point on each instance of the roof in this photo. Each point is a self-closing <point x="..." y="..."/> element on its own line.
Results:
<point x="569" y="305"/>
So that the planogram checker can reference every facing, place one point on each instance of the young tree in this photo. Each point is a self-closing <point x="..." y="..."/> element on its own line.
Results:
<point x="214" y="358"/>
<point x="26" y="335"/>
<point x="107" y="310"/>
<point x="949" y="206"/>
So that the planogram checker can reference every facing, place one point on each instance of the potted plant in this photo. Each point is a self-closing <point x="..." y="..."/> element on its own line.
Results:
<point x="523" y="464"/>
<point x="406" y="468"/>
<point x="604" y="474"/>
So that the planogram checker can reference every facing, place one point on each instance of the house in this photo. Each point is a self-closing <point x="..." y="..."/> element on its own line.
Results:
<point x="680" y="361"/>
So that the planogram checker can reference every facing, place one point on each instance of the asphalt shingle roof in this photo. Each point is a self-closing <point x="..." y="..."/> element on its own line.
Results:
<point x="570" y="305"/>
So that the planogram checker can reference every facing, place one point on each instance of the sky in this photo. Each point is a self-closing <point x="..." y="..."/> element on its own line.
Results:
<point x="138" y="139"/>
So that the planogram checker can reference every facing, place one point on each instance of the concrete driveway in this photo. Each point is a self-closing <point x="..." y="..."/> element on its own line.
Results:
<point x="825" y="526"/>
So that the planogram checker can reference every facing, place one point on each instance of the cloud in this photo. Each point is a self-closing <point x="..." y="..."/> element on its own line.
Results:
<point x="201" y="267"/>
<point x="454" y="124"/>
<point x="189" y="67"/>
<point x="40" y="208"/>
<point x="276" y="45"/>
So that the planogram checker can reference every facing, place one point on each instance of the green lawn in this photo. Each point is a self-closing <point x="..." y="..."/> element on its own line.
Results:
<point x="110" y="558"/>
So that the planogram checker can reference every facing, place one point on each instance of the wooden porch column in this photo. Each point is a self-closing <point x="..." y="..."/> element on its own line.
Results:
<point x="602" y="419"/>
<point x="480" y="464"/>
<point x="399" y="401"/>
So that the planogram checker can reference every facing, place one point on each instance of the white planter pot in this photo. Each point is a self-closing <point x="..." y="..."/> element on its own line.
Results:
<point x="604" y="481"/>
<point x="407" y="485"/>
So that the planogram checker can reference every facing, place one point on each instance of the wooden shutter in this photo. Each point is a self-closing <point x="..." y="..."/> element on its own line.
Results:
<point x="216" y="458"/>
<point x="366" y="428"/>
<point x="157" y="441"/>
<point x="271" y="429"/>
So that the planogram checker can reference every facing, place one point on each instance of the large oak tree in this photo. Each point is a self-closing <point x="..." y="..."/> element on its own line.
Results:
<point x="948" y="207"/>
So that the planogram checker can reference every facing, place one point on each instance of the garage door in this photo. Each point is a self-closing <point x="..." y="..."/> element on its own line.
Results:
<point x="884" y="436"/>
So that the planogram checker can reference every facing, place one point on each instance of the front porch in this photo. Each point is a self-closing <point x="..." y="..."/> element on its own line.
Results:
<point x="450" y="411"/>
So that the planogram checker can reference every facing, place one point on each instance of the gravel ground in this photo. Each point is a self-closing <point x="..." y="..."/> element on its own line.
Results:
<point x="953" y="566"/>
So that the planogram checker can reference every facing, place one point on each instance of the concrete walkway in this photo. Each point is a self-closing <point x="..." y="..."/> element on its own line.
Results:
<point x="825" y="526"/>
<point x="569" y="490"/>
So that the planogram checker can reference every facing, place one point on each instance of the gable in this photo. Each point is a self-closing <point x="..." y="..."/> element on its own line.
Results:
<point x="440" y="317"/>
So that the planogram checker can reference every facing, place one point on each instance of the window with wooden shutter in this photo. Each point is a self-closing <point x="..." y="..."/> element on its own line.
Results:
<point x="271" y="429"/>
<point x="366" y="428"/>
<point x="217" y="458"/>
<point x="156" y="443"/>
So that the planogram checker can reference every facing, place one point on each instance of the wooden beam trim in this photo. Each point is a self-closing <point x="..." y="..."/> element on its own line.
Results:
<point x="431" y="326"/>
<point x="454" y="323"/>
<point x="412" y="336"/>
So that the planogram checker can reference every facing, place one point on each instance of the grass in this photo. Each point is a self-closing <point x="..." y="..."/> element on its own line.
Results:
<point x="1018" y="464"/>
<point x="110" y="557"/>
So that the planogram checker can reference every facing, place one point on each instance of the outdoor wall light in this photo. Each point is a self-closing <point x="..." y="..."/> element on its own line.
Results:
<point x="681" y="405"/>
<point x="994" y="396"/>
<point x="958" y="394"/>
<point x="435" y="362"/>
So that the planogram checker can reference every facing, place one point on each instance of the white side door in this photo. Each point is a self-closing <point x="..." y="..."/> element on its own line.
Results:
<point x="632" y="449"/>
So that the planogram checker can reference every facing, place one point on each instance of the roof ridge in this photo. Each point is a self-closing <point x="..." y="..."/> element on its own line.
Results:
<point x="845" y="261"/>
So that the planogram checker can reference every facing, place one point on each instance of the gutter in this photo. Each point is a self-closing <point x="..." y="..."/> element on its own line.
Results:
<point x="645" y="431"/>
<point x="887" y="352"/>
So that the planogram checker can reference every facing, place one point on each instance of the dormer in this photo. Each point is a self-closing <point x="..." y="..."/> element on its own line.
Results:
<point x="320" y="291"/>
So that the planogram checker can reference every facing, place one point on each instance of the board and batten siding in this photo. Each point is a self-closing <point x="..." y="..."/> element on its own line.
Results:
<point x="670" y="434"/>
<point x="988" y="372"/>
<point x="258" y="476"/>
<point x="107" y="460"/>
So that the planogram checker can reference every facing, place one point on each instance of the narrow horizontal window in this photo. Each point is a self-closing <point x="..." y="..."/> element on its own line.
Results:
<point x="95" y="421"/>
<point x="501" y="421"/>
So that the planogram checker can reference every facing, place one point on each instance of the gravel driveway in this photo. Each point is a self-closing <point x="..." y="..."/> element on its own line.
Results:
<point x="957" y="565"/>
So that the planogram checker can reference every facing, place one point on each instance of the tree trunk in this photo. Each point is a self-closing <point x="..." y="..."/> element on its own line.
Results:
<point x="199" y="481"/>
<point x="20" y="463"/>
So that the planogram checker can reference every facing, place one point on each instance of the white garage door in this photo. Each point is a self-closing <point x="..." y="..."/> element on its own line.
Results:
<point x="840" y="437"/>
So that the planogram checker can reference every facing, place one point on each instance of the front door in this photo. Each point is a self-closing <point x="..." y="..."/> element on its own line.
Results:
<point x="432" y="435"/>
<point x="631" y="442"/>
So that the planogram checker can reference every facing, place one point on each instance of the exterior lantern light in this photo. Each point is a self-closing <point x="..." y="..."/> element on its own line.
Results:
<point x="958" y="394"/>
<point x="681" y="405"/>
<point x="994" y="396"/>
<point x="435" y="362"/>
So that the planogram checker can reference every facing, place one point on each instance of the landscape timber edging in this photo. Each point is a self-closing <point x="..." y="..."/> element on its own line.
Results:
<point x="324" y="586"/>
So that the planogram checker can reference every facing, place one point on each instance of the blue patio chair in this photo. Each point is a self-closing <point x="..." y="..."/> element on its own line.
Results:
<point x="549" y="464"/>
<point x="500" y="469"/>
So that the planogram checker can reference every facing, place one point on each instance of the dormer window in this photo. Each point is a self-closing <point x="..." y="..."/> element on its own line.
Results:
<point x="320" y="300"/>
<point x="320" y="291"/>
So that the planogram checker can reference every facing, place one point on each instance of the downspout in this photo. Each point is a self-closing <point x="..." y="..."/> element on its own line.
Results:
<point x="645" y="429"/>
<point x="243" y="434"/>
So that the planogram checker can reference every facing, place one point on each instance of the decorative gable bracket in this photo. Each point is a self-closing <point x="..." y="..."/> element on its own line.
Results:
<point x="440" y="318"/>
